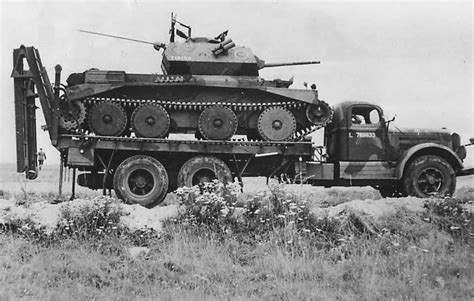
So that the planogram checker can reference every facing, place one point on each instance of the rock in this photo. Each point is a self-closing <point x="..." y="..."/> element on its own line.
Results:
<point x="138" y="217"/>
<point x="439" y="282"/>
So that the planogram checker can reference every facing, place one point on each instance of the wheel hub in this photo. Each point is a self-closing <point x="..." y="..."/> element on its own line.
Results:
<point x="430" y="180"/>
<point x="218" y="123"/>
<point x="277" y="124"/>
<point x="140" y="182"/>
<point x="150" y="121"/>
<point x="203" y="176"/>
<point x="107" y="119"/>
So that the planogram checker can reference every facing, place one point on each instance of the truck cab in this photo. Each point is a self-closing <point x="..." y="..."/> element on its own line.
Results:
<point x="362" y="148"/>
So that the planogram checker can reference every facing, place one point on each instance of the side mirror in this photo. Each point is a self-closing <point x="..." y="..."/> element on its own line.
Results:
<point x="390" y="120"/>
<point x="471" y="140"/>
<point x="387" y="122"/>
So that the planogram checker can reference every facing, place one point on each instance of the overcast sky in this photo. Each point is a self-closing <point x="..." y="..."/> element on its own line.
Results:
<point x="413" y="59"/>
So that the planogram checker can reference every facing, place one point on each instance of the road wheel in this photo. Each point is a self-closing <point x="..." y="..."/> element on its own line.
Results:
<point x="392" y="191"/>
<point x="107" y="119"/>
<point x="429" y="175"/>
<point x="141" y="180"/>
<point x="150" y="120"/>
<point x="201" y="169"/>
<point x="217" y="123"/>
<point x="276" y="124"/>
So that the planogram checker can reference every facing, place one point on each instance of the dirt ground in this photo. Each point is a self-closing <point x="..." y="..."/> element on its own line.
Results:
<point x="43" y="213"/>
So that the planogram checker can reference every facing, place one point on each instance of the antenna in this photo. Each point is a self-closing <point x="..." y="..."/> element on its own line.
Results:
<point x="117" y="37"/>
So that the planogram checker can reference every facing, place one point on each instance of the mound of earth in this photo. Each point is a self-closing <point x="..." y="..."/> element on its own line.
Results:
<point x="47" y="215"/>
<point x="374" y="208"/>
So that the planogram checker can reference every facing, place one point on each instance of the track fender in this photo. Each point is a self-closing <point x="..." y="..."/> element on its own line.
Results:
<point x="85" y="90"/>
<point x="427" y="149"/>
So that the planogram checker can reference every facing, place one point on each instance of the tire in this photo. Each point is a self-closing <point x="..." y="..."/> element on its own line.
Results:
<point x="141" y="180"/>
<point x="429" y="175"/>
<point x="201" y="169"/>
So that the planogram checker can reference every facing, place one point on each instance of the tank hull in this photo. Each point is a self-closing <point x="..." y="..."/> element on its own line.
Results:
<point x="185" y="97"/>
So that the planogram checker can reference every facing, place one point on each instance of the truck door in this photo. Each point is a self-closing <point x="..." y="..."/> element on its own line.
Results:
<point x="366" y="134"/>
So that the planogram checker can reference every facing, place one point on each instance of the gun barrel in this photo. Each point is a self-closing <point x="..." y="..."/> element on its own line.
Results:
<point x="266" y="65"/>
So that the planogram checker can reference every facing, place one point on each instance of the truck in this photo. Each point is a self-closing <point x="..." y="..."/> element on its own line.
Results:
<point x="361" y="147"/>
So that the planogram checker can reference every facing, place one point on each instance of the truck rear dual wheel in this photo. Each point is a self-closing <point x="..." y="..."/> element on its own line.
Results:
<point x="201" y="169"/>
<point x="429" y="175"/>
<point x="141" y="180"/>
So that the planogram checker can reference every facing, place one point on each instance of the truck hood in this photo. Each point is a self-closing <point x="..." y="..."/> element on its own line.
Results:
<point x="408" y="137"/>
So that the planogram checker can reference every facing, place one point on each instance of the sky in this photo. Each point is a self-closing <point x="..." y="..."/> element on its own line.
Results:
<point x="412" y="58"/>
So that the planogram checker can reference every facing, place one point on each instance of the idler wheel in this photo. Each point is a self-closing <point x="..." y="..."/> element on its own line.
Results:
<point x="150" y="121"/>
<point x="276" y="124"/>
<point x="107" y="119"/>
<point x="217" y="123"/>
<point x="71" y="114"/>
<point x="319" y="114"/>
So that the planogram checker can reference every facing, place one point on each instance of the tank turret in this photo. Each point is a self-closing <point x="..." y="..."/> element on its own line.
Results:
<point x="211" y="56"/>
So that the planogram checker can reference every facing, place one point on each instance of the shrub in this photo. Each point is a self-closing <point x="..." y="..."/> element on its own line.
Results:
<point x="92" y="219"/>
<point x="450" y="215"/>
<point x="274" y="215"/>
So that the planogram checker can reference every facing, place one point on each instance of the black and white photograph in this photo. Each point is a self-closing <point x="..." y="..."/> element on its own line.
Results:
<point x="236" y="150"/>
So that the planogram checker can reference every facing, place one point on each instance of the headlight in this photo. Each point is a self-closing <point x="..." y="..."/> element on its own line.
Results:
<point x="461" y="152"/>
<point x="455" y="141"/>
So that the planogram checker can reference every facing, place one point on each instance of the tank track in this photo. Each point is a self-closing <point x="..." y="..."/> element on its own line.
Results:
<point x="131" y="104"/>
<point x="197" y="106"/>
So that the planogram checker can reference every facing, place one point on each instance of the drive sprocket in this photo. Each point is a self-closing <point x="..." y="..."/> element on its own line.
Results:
<point x="107" y="119"/>
<point x="150" y="121"/>
<point x="217" y="123"/>
<point x="71" y="114"/>
<point x="276" y="124"/>
<point x="319" y="114"/>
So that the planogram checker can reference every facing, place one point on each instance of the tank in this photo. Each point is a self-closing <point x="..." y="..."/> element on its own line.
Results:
<point x="210" y="87"/>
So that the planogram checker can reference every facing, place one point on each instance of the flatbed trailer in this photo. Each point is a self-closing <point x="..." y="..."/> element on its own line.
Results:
<point x="359" y="149"/>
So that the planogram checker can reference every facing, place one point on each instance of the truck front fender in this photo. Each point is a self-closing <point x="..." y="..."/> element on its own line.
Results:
<point x="427" y="149"/>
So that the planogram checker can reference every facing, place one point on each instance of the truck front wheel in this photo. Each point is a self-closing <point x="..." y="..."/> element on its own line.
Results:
<point x="141" y="180"/>
<point x="429" y="175"/>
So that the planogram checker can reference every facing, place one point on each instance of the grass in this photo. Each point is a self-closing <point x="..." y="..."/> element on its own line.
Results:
<point x="406" y="256"/>
<point x="199" y="265"/>
<point x="208" y="253"/>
